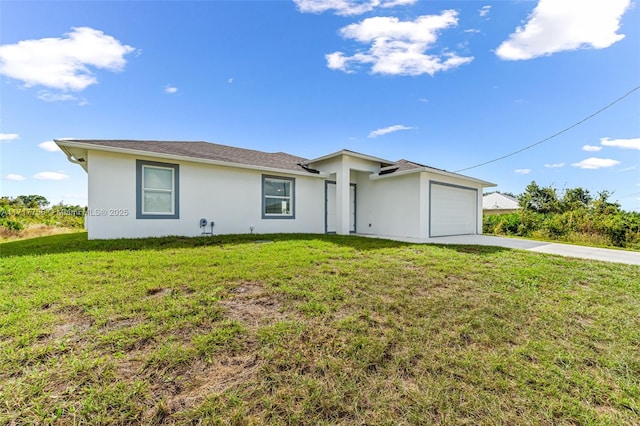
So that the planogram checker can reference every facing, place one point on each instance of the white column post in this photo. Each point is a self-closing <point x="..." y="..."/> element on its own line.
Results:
<point x="343" y="180"/>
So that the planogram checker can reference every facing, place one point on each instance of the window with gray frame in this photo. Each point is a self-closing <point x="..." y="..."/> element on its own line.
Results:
<point x="157" y="190"/>
<point x="278" y="197"/>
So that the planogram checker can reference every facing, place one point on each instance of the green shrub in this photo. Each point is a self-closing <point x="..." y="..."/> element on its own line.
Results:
<point x="506" y="224"/>
<point x="575" y="215"/>
<point x="12" y="225"/>
<point x="609" y="226"/>
<point x="25" y="211"/>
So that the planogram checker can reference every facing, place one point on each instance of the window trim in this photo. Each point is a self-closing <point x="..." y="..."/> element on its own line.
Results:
<point x="140" y="214"/>
<point x="292" y="197"/>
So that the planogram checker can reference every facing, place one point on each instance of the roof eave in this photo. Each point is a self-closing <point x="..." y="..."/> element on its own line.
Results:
<point x="484" y="183"/>
<point x="71" y="156"/>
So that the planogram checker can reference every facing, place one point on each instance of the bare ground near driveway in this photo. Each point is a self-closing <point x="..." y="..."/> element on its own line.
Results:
<point x="567" y="250"/>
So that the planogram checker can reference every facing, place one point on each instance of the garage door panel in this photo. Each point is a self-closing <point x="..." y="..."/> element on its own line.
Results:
<point x="453" y="210"/>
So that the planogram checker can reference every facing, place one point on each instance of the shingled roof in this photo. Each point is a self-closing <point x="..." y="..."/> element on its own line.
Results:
<point x="204" y="150"/>
<point x="405" y="165"/>
<point x="224" y="154"/>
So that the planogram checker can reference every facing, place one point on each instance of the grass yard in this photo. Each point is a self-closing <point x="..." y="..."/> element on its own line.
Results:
<point x="313" y="329"/>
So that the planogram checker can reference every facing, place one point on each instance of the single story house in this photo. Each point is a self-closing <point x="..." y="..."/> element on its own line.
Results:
<point x="158" y="188"/>
<point x="496" y="203"/>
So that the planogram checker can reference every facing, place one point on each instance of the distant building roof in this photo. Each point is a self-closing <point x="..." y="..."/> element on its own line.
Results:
<point x="497" y="201"/>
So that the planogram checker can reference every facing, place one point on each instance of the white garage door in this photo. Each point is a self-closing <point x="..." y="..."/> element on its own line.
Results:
<point x="453" y="210"/>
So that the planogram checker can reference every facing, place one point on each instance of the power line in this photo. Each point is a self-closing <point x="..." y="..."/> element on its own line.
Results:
<point x="555" y="134"/>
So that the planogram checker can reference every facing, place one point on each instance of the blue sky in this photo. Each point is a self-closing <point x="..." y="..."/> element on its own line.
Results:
<point x="449" y="84"/>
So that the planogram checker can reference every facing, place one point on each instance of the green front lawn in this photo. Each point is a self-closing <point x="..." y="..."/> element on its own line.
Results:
<point x="312" y="329"/>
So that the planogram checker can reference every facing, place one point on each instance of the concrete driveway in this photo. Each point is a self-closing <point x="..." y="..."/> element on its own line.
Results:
<point x="568" y="250"/>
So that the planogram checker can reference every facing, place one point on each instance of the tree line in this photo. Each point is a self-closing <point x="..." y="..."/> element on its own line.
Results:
<point x="16" y="213"/>
<point x="573" y="215"/>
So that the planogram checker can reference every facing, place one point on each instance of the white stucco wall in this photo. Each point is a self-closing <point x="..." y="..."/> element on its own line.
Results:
<point x="391" y="206"/>
<point x="231" y="197"/>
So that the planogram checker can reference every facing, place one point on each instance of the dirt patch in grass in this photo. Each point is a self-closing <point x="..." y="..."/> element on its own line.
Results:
<point x="183" y="388"/>
<point x="252" y="305"/>
<point x="204" y="379"/>
<point x="121" y="323"/>
<point x="132" y="365"/>
<point x="159" y="292"/>
<point x="71" y="326"/>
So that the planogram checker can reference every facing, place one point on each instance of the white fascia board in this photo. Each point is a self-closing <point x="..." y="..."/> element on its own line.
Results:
<point x="351" y="154"/>
<point x="119" y="150"/>
<point x="484" y="183"/>
<point x="73" y="157"/>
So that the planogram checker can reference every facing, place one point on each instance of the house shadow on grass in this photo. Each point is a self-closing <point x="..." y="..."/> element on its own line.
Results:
<point x="78" y="242"/>
<point x="472" y="249"/>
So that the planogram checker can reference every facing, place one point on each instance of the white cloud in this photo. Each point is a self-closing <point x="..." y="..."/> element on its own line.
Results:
<point x="170" y="89"/>
<point x="484" y="10"/>
<point x="522" y="171"/>
<point x="560" y="25"/>
<point x="8" y="137"/>
<point x="387" y="130"/>
<point x="50" y="176"/>
<point x="628" y="169"/>
<point x="591" y="148"/>
<point x="621" y="143"/>
<point x="14" y="177"/>
<point x="337" y="61"/>
<point x="50" y="146"/>
<point x="399" y="47"/>
<point x="347" y="7"/>
<point x="554" y="165"/>
<point x="472" y="30"/>
<point x="595" y="163"/>
<point x="55" y="97"/>
<point x="63" y="63"/>
<point x="230" y="81"/>
<point x="47" y="96"/>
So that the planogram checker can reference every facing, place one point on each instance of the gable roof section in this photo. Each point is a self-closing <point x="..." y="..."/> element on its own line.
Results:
<point x="195" y="150"/>
<point x="383" y="163"/>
